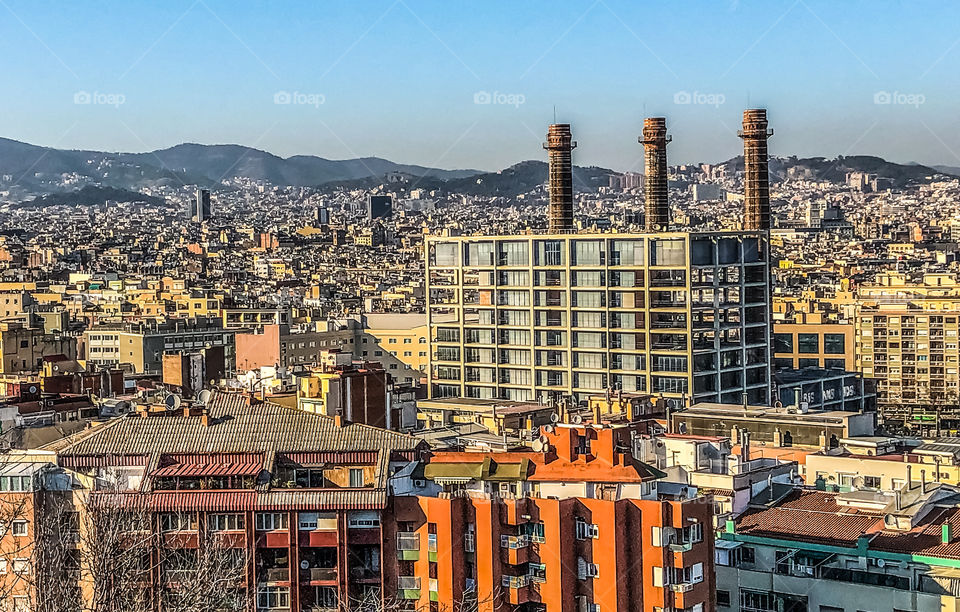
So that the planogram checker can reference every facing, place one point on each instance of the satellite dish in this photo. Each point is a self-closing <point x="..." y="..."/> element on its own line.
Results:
<point x="56" y="368"/>
<point x="537" y="445"/>
<point x="33" y="388"/>
<point x="683" y="428"/>
<point x="577" y="419"/>
<point x="172" y="401"/>
<point x="548" y="428"/>
<point x="858" y="482"/>
<point x="881" y="562"/>
<point x="544" y="440"/>
<point x="554" y="417"/>
<point x="205" y="397"/>
<point x="304" y="564"/>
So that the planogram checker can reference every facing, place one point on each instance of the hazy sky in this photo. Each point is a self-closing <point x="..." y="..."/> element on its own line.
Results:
<point x="458" y="84"/>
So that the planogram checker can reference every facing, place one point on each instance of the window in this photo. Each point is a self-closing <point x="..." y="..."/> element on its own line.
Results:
<point x="782" y="343"/>
<point x="3" y="566"/>
<point x="21" y="566"/>
<point x="747" y="555"/>
<point x="667" y="253"/>
<point x="808" y="343"/>
<point x="839" y="364"/>
<point x="363" y="519"/>
<point x="15" y="483"/>
<point x="176" y="521"/>
<point x="21" y="603"/>
<point x="356" y="478"/>
<point x="723" y="598"/>
<point x="833" y="344"/>
<point x="808" y="363"/>
<point x="271" y="597"/>
<point x="19" y="529"/>
<point x="326" y="597"/>
<point x="225" y="522"/>
<point x="271" y="521"/>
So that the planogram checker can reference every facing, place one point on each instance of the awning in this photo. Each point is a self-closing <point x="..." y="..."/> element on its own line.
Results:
<point x="727" y="544"/>
<point x="195" y="470"/>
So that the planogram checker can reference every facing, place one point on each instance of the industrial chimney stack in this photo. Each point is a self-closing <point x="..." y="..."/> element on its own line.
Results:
<point x="559" y="145"/>
<point x="654" y="141"/>
<point x="756" y="191"/>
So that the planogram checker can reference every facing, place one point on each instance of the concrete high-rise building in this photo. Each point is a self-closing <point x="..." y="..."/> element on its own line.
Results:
<point x="559" y="145"/>
<point x="654" y="141"/>
<point x="545" y="316"/>
<point x="200" y="209"/>
<point x="756" y="188"/>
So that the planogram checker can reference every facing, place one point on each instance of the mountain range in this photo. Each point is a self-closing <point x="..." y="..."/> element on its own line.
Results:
<point x="31" y="169"/>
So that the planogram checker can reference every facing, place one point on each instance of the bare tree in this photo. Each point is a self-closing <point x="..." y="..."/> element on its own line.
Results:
<point x="208" y="578"/>
<point x="95" y="552"/>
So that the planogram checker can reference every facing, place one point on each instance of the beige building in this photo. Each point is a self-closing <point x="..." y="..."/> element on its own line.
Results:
<point x="907" y="339"/>
<point x="24" y="348"/>
<point x="403" y="335"/>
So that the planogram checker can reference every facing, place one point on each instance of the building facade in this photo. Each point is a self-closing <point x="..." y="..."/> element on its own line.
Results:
<point x="547" y="316"/>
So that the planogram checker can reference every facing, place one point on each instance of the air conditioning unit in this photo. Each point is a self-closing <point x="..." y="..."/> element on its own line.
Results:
<point x="419" y="483"/>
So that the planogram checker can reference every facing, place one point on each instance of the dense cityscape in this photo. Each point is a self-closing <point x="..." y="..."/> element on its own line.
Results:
<point x="232" y="381"/>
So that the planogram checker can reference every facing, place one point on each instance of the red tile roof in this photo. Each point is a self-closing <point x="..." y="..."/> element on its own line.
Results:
<point x="811" y="516"/>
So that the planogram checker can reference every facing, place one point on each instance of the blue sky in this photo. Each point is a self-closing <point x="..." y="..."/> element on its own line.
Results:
<point x="402" y="78"/>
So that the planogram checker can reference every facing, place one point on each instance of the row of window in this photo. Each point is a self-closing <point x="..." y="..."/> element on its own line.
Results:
<point x="833" y="344"/>
<point x="263" y="521"/>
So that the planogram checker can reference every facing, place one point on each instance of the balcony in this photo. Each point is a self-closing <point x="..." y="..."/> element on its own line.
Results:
<point x="408" y="587"/>
<point x="275" y="574"/>
<point x="408" y="546"/>
<point x="319" y="574"/>
<point x="514" y="542"/>
<point x="516" y="582"/>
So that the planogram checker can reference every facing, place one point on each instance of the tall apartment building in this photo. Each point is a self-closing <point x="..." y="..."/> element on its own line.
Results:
<point x="532" y="317"/>
<point x="907" y="339"/>
<point x="581" y="526"/>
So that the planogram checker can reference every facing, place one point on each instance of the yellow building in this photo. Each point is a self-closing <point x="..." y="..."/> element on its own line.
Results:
<point x="403" y="335"/>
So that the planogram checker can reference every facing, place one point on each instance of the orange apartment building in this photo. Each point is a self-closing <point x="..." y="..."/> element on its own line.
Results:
<point x="580" y="527"/>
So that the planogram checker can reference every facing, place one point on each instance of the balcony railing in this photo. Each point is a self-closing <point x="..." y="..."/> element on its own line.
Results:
<point x="515" y="582"/>
<point x="407" y="583"/>
<point x="509" y="541"/>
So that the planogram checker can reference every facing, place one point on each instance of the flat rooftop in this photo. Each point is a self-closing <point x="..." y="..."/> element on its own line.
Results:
<point x="470" y="404"/>
<point x="708" y="409"/>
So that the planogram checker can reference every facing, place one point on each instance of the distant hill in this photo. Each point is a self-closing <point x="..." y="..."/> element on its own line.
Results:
<point x="835" y="170"/>
<point x="217" y="162"/>
<point x="524" y="177"/>
<point x="90" y="196"/>
<point x="40" y="168"/>
<point x="27" y="169"/>
<point x="510" y="182"/>
<point x="951" y="170"/>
